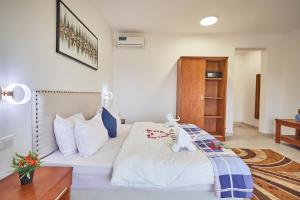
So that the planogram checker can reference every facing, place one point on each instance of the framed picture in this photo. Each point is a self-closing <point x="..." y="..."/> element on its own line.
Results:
<point x="74" y="39"/>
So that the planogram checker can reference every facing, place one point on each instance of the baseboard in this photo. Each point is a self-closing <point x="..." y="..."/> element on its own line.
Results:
<point x="244" y="124"/>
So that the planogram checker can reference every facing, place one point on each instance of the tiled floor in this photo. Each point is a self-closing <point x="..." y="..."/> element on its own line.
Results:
<point x="249" y="137"/>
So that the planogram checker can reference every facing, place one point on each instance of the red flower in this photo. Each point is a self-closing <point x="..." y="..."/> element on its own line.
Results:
<point x="212" y="145"/>
<point x="30" y="161"/>
<point x="33" y="163"/>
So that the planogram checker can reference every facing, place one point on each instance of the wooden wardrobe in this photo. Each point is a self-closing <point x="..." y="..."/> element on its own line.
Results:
<point x="202" y="100"/>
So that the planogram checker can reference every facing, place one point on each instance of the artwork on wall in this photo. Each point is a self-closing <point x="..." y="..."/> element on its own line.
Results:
<point x="74" y="39"/>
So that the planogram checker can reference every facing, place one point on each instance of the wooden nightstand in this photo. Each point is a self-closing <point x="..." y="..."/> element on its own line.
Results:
<point x="291" y="139"/>
<point x="48" y="183"/>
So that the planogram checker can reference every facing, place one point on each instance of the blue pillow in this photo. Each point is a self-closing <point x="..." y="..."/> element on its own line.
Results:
<point x="109" y="122"/>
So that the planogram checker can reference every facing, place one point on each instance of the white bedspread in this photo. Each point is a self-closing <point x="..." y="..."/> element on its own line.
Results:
<point x="148" y="162"/>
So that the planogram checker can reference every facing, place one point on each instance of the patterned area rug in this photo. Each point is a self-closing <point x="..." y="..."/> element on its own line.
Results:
<point x="275" y="176"/>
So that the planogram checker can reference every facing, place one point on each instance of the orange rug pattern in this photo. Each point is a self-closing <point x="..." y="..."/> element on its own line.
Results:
<point x="275" y="176"/>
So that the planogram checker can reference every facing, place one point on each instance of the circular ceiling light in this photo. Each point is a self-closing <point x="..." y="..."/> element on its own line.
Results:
<point x="208" y="21"/>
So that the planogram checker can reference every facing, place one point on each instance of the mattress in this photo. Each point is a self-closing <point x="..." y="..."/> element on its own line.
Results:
<point x="99" y="163"/>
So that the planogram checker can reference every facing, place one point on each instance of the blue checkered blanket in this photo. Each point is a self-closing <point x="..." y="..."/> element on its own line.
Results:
<point x="232" y="176"/>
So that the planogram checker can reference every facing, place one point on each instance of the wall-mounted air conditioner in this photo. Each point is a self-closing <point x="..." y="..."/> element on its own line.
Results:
<point x="130" y="42"/>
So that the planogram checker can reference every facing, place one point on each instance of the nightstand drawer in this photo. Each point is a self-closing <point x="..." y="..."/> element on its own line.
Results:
<point x="61" y="190"/>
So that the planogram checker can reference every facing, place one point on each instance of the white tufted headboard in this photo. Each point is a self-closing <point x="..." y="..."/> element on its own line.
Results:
<point x="46" y="104"/>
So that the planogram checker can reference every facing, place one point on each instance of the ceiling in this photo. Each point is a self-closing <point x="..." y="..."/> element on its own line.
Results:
<point x="183" y="16"/>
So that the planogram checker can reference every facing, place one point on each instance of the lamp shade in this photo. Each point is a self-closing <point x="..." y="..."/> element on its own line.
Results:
<point x="108" y="95"/>
<point x="10" y="89"/>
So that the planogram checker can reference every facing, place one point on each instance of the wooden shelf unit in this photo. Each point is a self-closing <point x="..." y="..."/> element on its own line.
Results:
<point x="202" y="100"/>
<point x="215" y="110"/>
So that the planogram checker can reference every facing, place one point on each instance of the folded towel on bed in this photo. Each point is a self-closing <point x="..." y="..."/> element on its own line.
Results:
<point x="232" y="176"/>
<point x="183" y="141"/>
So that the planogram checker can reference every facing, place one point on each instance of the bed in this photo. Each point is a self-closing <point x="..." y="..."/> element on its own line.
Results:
<point x="92" y="176"/>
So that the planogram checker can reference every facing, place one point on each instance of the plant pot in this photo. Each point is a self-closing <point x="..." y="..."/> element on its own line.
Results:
<point x="25" y="180"/>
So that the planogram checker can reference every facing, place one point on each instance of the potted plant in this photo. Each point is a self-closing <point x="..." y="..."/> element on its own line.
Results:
<point x="25" y="166"/>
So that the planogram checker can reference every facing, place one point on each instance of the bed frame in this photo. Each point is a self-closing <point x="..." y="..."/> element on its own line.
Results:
<point x="46" y="104"/>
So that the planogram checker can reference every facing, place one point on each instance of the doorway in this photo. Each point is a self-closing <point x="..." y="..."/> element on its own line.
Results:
<point x="246" y="87"/>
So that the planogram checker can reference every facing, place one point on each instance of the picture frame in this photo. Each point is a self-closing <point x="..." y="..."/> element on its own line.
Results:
<point x="74" y="39"/>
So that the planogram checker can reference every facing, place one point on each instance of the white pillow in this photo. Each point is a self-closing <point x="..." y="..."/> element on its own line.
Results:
<point x="65" y="134"/>
<point x="90" y="135"/>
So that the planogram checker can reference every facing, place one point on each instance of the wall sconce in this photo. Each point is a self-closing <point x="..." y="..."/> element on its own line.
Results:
<point x="107" y="96"/>
<point x="7" y="94"/>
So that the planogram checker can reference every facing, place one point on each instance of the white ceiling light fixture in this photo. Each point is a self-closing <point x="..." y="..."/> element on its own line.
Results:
<point x="208" y="21"/>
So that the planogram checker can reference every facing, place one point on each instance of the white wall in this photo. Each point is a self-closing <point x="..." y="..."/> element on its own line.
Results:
<point x="27" y="55"/>
<point x="145" y="79"/>
<point x="247" y="65"/>
<point x="290" y="96"/>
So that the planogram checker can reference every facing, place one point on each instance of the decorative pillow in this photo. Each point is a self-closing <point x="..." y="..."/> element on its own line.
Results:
<point x="90" y="135"/>
<point x="64" y="133"/>
<point x="111" y="121"/>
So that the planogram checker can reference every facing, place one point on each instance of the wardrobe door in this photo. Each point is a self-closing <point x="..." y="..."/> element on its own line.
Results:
<point x="190" y="91"/>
